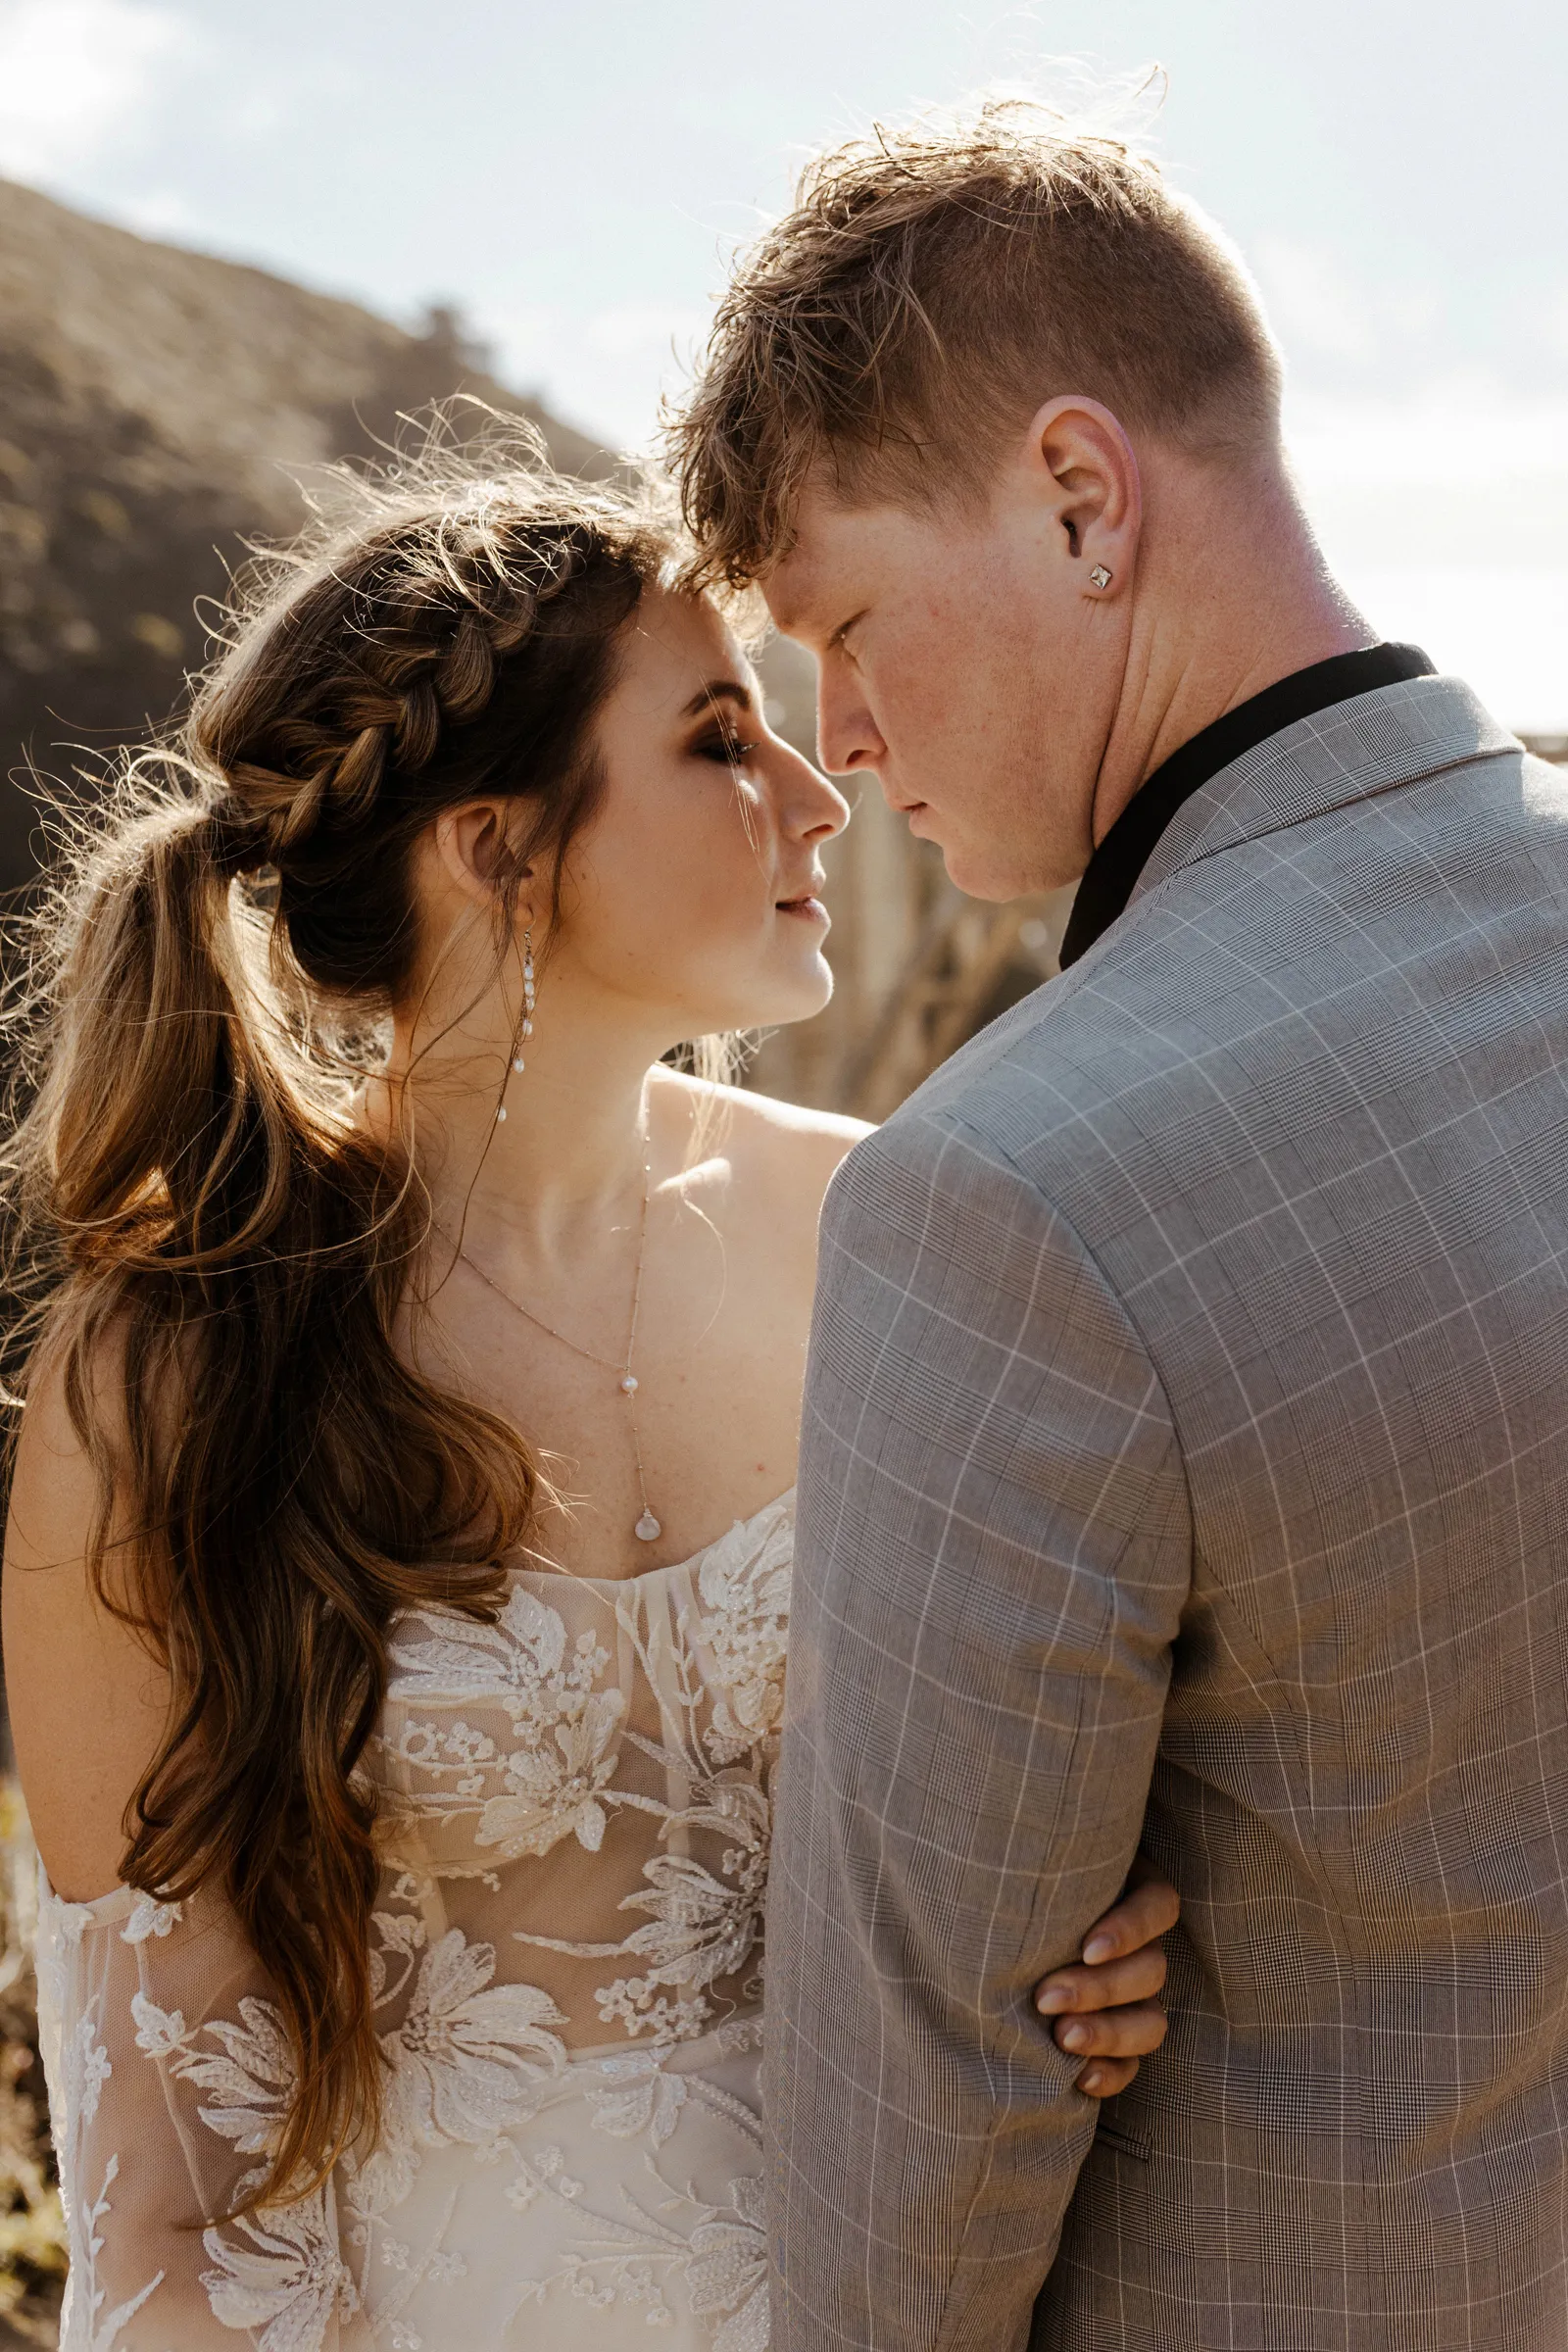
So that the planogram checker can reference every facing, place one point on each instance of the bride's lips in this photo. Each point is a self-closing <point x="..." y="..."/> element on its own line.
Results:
<point x="809" y="908"/>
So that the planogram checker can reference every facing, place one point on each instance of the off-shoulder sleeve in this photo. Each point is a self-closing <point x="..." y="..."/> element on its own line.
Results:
<point x="167" y="2076"/>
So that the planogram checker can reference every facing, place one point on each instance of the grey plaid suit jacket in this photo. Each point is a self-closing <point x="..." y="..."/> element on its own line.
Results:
<point x="1186" y="1456"/>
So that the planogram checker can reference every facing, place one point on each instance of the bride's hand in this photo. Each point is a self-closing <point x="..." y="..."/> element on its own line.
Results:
<point x="1107" y="2009"/>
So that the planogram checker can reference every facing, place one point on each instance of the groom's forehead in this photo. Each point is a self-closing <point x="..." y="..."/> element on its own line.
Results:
<point x="830" y="547"/>
<point x="797" y="587"/>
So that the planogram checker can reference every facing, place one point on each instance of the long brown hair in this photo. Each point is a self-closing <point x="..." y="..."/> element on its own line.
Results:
<point x="194" y="1204"/>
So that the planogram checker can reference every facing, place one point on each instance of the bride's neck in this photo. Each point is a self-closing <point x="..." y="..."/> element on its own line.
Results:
<point x="573" y="1143"/>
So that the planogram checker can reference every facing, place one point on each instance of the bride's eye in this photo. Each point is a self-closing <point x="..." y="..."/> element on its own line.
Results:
<point x="732" y="750"/>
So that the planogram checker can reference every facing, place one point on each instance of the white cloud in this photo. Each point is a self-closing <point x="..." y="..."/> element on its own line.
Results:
<point x="1446" y="515"/>
<point x="73" y="74"/>
<point x="1460" y="432"/>
<point x="160" y="213"/>
<point x="646" y="331"/>
<point x="1504" y="630"/>
<point x="602" y="371"/>
<point x="1554" y="322"/>
<point x="1312" y="300"/>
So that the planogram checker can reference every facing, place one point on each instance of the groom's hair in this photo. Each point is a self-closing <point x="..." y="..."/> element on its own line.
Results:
<point x="930" y="289"/>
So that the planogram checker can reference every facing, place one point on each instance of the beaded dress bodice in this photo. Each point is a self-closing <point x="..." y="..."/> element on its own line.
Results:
<point x="567" y="1962"/>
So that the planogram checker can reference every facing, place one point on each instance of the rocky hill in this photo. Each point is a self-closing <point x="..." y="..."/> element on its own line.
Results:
<point x="157" y="407"/>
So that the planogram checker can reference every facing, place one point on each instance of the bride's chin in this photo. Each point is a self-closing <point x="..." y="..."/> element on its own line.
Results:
<point x="798" y="999"/>
<point x="810" y="1000"/>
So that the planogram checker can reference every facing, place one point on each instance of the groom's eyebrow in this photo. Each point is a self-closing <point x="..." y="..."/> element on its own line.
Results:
<point x="719" y="690"/>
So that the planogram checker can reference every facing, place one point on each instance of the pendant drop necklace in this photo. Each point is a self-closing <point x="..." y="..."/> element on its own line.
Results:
<point x="647" y="1528"/>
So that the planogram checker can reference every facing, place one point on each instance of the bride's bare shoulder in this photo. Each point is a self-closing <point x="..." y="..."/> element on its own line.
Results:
<point x="88" y="1701"/>
<point x="767" y="1141"/>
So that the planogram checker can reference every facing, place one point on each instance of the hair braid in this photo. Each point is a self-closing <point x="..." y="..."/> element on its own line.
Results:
<point x="190" y="1175"/>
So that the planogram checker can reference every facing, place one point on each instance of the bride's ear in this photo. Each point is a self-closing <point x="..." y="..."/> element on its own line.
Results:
<point x="476" y="849"/>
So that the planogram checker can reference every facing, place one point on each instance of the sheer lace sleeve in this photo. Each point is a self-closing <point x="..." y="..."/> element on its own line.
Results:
<point x="167" y="2072"/>
<point x="564" y="1958"/>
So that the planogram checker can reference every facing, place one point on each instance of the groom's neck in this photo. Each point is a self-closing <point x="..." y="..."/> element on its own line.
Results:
<point x="1233" y="595"/>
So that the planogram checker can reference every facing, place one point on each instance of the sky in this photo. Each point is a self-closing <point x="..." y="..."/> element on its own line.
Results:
<point x="574" y="176"/>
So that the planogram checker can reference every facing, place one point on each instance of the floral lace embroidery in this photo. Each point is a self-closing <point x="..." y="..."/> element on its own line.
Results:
<point x="700" y="1928"/>
<point x="151" y="1918"/>
<point x="466" y="2064"/>
<point x="470" y="2062"/>
<point x="746" y="1595"/>
<point x="280" y="2272"/>
<point x="700" y="1922"/>
<point x="722" y="2257"/>
<point x="79" y="2069"/>
<point x="550" y="1785"/>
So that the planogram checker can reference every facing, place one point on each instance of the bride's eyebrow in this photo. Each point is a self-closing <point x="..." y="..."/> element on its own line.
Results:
<point x="719" y="690"/>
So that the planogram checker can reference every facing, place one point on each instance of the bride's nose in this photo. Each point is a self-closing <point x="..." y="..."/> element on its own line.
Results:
<point x="808" y="806"/>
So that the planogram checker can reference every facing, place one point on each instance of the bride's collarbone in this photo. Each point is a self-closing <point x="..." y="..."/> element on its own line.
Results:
<point x="717" y="1441"/>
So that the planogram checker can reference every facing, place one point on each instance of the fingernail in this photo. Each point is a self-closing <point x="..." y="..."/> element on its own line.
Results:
<point x="1099" y="1947"/>
<point x="1053" y="2000"/>
<point x="1075" y="2038"/>
<point x="1091" y="2080"/>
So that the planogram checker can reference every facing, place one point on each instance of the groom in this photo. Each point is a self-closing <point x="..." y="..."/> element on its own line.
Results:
<point x="1186" y="1448"/>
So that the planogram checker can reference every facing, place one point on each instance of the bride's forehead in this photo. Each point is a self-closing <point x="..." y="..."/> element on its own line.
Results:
<point x="676" y="636"/>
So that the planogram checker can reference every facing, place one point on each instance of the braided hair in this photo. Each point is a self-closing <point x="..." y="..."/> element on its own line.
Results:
<point x="197" y="1205"/>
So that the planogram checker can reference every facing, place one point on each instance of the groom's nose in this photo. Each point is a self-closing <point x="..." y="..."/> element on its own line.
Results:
<point x="848" y="738"/>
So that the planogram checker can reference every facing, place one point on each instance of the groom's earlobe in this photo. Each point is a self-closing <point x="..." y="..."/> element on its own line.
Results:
<point x="1086" y="467"/>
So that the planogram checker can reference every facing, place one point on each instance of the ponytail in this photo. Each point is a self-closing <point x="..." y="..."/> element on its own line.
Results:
<point x="246" y="1255"/>
<point x="197" y="1205"/>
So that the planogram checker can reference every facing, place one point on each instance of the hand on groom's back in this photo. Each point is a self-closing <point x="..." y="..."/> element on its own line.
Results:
<point x="1108" y="2009"/>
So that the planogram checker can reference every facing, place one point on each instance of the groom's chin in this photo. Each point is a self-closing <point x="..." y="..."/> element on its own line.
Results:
<point x="989" y="873"/>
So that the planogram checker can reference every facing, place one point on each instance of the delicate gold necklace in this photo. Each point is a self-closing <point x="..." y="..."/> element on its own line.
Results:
<point x="648" y="1529"/>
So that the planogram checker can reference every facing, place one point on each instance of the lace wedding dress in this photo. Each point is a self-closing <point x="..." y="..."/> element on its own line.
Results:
<point x="567" y="1968"/>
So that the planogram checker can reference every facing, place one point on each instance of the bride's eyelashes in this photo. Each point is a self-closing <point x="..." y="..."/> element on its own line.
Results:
<point x="733" y="750"/>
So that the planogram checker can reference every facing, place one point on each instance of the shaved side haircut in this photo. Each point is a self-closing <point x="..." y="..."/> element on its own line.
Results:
<point x="929" y="291"/>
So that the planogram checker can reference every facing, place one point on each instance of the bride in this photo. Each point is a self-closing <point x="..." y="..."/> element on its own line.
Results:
<point x="397" y="1569"/>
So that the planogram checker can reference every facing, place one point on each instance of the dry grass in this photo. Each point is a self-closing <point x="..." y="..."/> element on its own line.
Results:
<point x="32" y="2231"/>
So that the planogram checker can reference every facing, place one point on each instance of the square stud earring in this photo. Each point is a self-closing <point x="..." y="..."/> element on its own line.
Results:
<point x="1101" y="577"/>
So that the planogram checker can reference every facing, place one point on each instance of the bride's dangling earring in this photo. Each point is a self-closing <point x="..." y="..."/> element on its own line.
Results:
<point x="526" y="1025"/>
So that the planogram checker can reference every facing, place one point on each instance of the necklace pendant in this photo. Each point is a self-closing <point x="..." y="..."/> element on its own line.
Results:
<point x="646" y="1529"/>
<point x="628" y="1385"/>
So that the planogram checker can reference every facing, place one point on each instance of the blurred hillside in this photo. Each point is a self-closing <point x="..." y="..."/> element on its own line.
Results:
<point x="156" y="407"/>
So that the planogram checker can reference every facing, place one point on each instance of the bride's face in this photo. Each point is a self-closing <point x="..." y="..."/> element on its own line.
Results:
<point x="693" y="889"/>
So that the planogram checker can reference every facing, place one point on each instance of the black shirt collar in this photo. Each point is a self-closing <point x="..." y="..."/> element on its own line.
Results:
<point x="1112" y="875"/>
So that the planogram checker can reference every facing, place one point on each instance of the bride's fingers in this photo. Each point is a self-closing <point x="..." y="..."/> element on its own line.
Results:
<point x="1135" y="2033"/>
<point x="1106" y="2076"/>
<point x="1116" y="1982"/>
<point x="1150" y="1908"/>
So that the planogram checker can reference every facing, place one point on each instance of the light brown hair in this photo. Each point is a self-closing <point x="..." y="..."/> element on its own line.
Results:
<point x="196" y="1207"/>
<point x="930" y="289"/>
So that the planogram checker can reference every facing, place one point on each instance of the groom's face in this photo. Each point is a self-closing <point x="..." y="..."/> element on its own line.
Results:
<point x="960" y="665"/>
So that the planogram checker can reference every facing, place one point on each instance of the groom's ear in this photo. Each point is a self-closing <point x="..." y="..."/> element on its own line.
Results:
<point x="1081" y="466"/>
